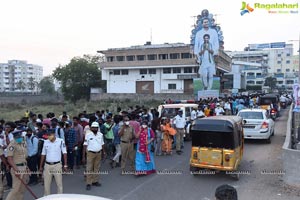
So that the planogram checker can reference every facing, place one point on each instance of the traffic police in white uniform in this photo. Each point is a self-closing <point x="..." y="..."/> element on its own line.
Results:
<point x="179" y="123"/>
<point x="93" y="146"/>
<point x="52" y="150"/>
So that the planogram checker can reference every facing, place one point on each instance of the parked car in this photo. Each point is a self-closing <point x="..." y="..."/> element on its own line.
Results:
<point x="257" y="124"/>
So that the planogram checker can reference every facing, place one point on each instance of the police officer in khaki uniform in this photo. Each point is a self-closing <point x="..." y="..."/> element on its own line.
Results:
<point x="52" y="151"/>
<point x="93" y="145"/>
<point x="4" y="161"/>
<point x="127" y="135"/>
<point x="16" y="156"/>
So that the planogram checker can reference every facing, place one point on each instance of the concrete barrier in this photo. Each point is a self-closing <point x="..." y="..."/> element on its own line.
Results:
<point x="290" y="157"/>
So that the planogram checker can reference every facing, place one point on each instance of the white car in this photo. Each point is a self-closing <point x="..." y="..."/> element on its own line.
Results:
<point x="72" y="197"/>
<point x="257" y="124"/>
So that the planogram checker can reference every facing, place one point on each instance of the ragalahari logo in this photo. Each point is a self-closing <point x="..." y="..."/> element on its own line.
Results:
<point x="246" y="8"/>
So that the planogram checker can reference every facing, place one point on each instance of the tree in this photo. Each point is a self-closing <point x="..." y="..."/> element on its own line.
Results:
<point x="21" y="85"/>
<point x="77" y="77"/>
<point x="31" y="83"/>
<point x="47" y="86"/>
<point x="271" y="82"/>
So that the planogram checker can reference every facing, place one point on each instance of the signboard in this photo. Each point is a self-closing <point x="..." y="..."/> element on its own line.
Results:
<point x="267" y="45"/>
<point x="208" y="94"/>
<point x="198" y="85"/>
<point x="278" y="45"/>
<point x="296" y="89"/>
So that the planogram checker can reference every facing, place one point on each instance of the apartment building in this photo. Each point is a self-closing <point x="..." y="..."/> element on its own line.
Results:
<point x="277" y="61"/>
<point x="19" y="76"/>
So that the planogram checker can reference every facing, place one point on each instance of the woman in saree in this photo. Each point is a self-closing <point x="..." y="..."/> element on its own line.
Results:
<point x="144" y="160"/>
<point x="168" y="132"/>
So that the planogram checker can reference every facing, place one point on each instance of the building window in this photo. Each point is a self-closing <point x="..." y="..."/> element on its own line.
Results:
<point x="250" y="82"/>
<point x="177" y="70"/>
<point x="278" y="62"/>
<point x="289" y="82"/>
<point x="259" y="82"/>
<point x="152" y="71"/>
<point x="143" y="71"/>
<point x="167" y="70"/>
<point x="117" y="72"/>
<point x="130" y="58"/>
<point x="288" y="62"/>
<point x="124" y="71"/>
<point x="174" y="55"/>
<point x="188" y="70"/>
<point x="279" y="82"/>
<point x="172" y="86"/>
<point x="110" y="59"/>
<point x="140" y="57"/>
<point x="278" y="70"/>
<point x="279" y="55"/>
<point x="288" y="54"/>
<point x="287" y="70"/>
<point x="152" y="57"/>
<point x="120" y="58"/>
<point x="186" y="55"/>
<point x="196" y="69"/>
<point x="162" y="56"/>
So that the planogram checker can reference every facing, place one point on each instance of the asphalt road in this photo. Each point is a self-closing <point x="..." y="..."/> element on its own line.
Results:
<point x="177" y="183"/>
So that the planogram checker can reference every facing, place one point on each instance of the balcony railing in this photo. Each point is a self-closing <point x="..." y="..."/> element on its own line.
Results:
<point x="250" y="77"/>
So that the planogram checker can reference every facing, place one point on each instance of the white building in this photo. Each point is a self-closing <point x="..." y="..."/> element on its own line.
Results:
<point x="277" y="61"/>
<point x="19" y="76"/>
<point x="148" y="69"/>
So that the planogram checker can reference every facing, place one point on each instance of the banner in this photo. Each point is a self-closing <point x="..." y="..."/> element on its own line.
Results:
<point x="296" y="89"/>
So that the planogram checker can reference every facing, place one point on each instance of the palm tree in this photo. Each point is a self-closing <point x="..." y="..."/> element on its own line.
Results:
<point x="271" y="82"/>
<point x="21" y="85"/>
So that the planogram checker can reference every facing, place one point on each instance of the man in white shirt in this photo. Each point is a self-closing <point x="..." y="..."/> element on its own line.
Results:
<point x="193" y="114"/>
<point x="219" y="110"/>
<point x="227" y="108"/>
<point x="200" y="113"/>
<point x="179" y="123"/>
<point x="93" y="145"/>
<point x="52" y="150"/>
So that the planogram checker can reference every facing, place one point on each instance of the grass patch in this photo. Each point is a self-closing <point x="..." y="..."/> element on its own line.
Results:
<point x="13" y="112"/>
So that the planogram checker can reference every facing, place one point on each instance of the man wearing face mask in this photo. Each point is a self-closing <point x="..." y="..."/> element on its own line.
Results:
<point x="127" y="135"/>
<point x="16" y="157"/>
<point x="93" y="145"/>
<point x="52" y="150"/>
<point x="32" y="160"/>
<point x="179" y="123"/>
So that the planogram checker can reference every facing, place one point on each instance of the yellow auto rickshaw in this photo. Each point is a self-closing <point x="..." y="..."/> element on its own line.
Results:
<point x="217" y="144"/>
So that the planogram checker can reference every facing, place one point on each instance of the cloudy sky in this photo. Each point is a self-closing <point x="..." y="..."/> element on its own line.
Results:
<point x="51" y="32"/>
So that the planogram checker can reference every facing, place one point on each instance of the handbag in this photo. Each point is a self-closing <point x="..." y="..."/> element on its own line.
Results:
<point x="152" y="148"/>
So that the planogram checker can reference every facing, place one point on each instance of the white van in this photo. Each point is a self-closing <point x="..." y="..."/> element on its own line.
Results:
<point x="170" y="111"/>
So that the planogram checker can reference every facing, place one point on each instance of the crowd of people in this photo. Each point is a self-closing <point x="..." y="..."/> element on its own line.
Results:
<point x="129" y="139"/>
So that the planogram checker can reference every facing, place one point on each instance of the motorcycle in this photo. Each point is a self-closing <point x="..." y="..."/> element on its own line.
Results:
<point x="283" y="105"/>
<point x="273" y="114"/>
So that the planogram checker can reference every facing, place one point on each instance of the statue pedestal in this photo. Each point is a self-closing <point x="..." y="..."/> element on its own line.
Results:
<point x="208" y="93"/>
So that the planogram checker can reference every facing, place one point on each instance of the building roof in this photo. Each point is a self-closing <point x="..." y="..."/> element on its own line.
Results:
<point x="146" y="46"/>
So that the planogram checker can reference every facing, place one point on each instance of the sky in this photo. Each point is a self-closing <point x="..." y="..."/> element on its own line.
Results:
<point x="51" y="32"/>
